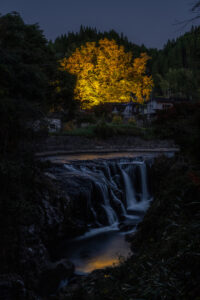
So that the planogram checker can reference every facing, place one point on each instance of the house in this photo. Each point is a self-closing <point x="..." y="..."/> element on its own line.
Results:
<point x="156" y="104"/>
<point x="54" y="121"/>
<point x="127" y="110"/>
<point x="148" y="109"/>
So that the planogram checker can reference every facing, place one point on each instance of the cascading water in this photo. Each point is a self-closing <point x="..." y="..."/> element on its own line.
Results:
<point x="111" y="215"/>
<point x="129" y="189"/>
<point x="143" y="172"/>
<point x="110" y="197"/>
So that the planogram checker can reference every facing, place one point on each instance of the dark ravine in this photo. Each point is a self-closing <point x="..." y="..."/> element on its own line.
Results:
<point x="165" y="260"/>
<point x="108" y="196"/>
<point x="73" y="200"/>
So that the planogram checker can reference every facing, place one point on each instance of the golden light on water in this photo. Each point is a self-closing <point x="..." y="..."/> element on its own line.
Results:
<point x="99" y="263"/>
<point x="108" y="252"/>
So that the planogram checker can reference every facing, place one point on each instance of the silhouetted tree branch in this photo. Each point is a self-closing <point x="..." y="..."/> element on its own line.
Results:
<point x="195" y="9"/>
<point x="196" y="6"/>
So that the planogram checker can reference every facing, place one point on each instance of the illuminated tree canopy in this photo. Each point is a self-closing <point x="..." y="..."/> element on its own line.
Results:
<point x="106" y="73"/>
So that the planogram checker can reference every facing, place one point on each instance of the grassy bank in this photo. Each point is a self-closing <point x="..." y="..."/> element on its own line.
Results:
<point x="106" y="130"/>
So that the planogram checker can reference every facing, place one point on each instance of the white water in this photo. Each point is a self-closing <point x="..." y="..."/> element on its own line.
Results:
<point x="119" y="202"/>
<point x="99" y="172"/>
<point x="129" y="190"/>
<point x="121" y="205"/>
<point x="143" y="172"/>
<point x="111" y="215"/>
<point x="97" y="231"/>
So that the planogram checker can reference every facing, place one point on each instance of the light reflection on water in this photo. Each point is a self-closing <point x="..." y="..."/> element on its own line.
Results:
<point x="99" y="263"/>
<point x="88" y="156"/>
<point x="97" y="252"/>
<point x="59" y="158"/>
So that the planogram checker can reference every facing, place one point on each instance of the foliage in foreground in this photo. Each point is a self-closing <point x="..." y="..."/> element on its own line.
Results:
<point x="26" y="65"/>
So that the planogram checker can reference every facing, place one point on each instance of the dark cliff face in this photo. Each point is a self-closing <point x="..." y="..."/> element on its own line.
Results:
<point x="25" y="251"/>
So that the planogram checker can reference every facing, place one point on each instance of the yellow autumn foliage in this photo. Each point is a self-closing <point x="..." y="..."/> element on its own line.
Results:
<point x="106" y="73"/>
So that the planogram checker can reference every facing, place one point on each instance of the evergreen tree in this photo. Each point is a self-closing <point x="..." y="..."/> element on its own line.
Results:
<point x="26" y="68"/>
<point x="178" y="57"/>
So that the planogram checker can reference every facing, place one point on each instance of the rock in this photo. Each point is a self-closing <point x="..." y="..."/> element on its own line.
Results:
<point x="12" y="287"/>
<point x="128" y="225"/>
<point x="51" y="176"/>
<point x="53" y="274"/>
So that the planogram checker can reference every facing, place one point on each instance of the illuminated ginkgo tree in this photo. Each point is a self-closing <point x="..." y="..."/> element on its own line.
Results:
<point x="106" y="73"/>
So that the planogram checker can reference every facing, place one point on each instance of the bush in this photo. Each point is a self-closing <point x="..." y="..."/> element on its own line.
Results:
<point x="86" y="117"/>
<point x="68" y="126"/>
<point x="87" y="132"/>
<point x="128" y="130"/>
<point x="104" y="109"/>
<point x="103" y="130"/>
<point x="117" y="119"/>
<point x="132" y="121"/>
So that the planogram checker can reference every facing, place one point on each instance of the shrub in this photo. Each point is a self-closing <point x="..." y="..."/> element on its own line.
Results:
<point x="117" y="119"/>
<point x="128" y="130"/>
<point x="104" y="109"/>
<point x="131" y="121"/>
<point x="68" y="126"/>
<point x="103" y="130"/>
<point x="86" y="117"/>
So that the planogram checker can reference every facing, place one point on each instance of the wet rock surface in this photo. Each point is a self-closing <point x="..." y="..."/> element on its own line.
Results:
<point x="12" y="287"/>
<point x="53" y="274"/>
<point x="30" y="253"/>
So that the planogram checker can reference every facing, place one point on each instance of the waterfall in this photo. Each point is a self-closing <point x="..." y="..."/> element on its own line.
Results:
<point x="111" y="215"/>
<point x="110" y="193"/>
<point x="129" y="191"/>
<point x="120" y="203"/>
<point x="143" y="172"/>
<point x="107" y="199"/>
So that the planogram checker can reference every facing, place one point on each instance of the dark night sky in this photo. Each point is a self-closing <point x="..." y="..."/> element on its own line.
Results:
<point x="143" y="21"/>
